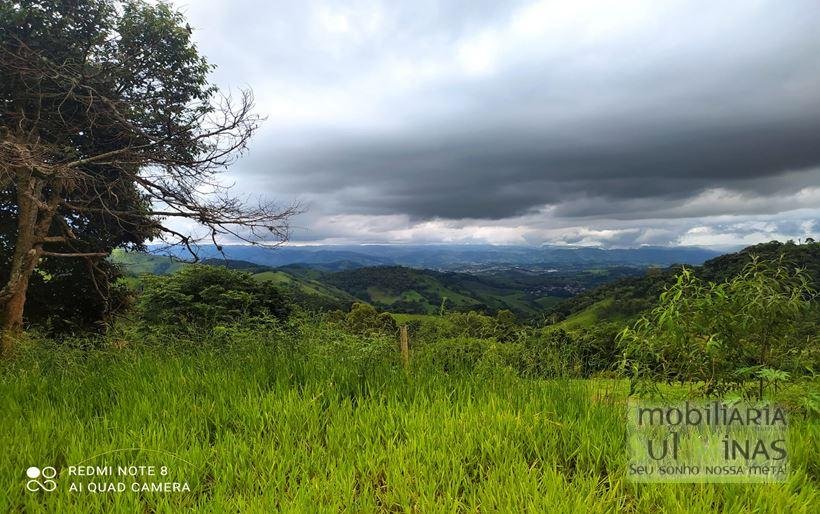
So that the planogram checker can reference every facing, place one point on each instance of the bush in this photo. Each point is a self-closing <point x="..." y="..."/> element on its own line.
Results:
<point x="364" y="319"/>
<point x="597" y="349"/>
<point x="721" y="336"/>
<point x="552" y="354"/>
<point x="455" y="355"/>
<point x="52" y="302"/>
<point x="472" y="324"/>
<point x="201" y="295"/>
<point x="506" y="325"/>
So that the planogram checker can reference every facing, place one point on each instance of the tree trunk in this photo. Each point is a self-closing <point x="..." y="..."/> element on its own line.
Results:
<point x="13" y="316"/>
<point x="27" y="251"/>
<point x="13" y="307"/>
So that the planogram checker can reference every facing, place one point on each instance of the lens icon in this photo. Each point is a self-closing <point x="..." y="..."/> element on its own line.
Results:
<point x="34" y="484"/>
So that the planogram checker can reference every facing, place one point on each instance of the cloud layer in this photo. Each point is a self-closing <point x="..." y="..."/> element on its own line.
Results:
<point x="600" y="123"/>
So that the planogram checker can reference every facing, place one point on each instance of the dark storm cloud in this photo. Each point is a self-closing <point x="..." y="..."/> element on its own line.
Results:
<point x="519" y="111"/>
<point x="503" y="174"/>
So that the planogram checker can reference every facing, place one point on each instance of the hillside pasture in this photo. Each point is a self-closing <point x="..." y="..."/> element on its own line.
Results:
<point x="317" y="421"/>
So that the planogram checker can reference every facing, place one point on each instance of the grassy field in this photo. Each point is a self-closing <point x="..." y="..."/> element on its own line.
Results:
<point x="322" y="422"/>
<point x="589" y="316"/>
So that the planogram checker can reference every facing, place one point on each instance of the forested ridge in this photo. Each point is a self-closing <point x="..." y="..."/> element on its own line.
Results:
<point x="636" y="294"/>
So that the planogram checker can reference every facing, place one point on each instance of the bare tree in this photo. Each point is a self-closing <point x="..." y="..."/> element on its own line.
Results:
<point x="107" y="118"/>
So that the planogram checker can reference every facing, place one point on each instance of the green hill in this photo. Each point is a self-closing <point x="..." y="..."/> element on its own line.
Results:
<point x="407" y="290"/>
<point x="626" y="298"/>
<point x="138" y="263"/>
<point x="399" y="289"/>
<point x="306" y="291"/>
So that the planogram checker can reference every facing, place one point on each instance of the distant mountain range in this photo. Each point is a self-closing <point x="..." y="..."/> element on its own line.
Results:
<point x="420" y="279"/>
<point x="579" y="286"/>
<point x="468" y="258"/>
<point x="404" y="289"/>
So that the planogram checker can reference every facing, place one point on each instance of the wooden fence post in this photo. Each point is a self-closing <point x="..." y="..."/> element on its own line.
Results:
<point x="405" y="346"/>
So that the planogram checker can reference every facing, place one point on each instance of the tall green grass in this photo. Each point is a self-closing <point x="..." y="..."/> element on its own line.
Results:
<point x="319" y="421"/>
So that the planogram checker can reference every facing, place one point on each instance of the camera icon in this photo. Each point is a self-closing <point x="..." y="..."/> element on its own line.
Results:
<point x="41" y="479"/>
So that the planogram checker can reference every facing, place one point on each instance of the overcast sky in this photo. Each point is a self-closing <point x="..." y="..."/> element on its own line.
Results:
<point x="563" y="122"/>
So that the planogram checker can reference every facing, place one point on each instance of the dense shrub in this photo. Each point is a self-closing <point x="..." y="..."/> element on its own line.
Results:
<point x="597" y="349"/>
<point x="68" y="296"/>
<point x="549" y="354"/>
<point x="460" y="341"/>
<point x="365" y="319"/>
<point x="201" y="295"/>
<point x="721" y="336"/>
<point x="454" y="355"/>
<point x="506" y="326"/>
<point x="502" y="327"/>
<point x="471" y="325"/>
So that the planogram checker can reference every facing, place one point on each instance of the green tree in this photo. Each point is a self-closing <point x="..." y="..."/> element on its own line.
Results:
<point x="472" y="325"/>
<point x="109" y="127"/>
<point x="506" y="325"/>
<point x="75" y="295"/>
<point x="202" y="295"/>
<point x="364" y="319"/>
<point x="721" y="335"/>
